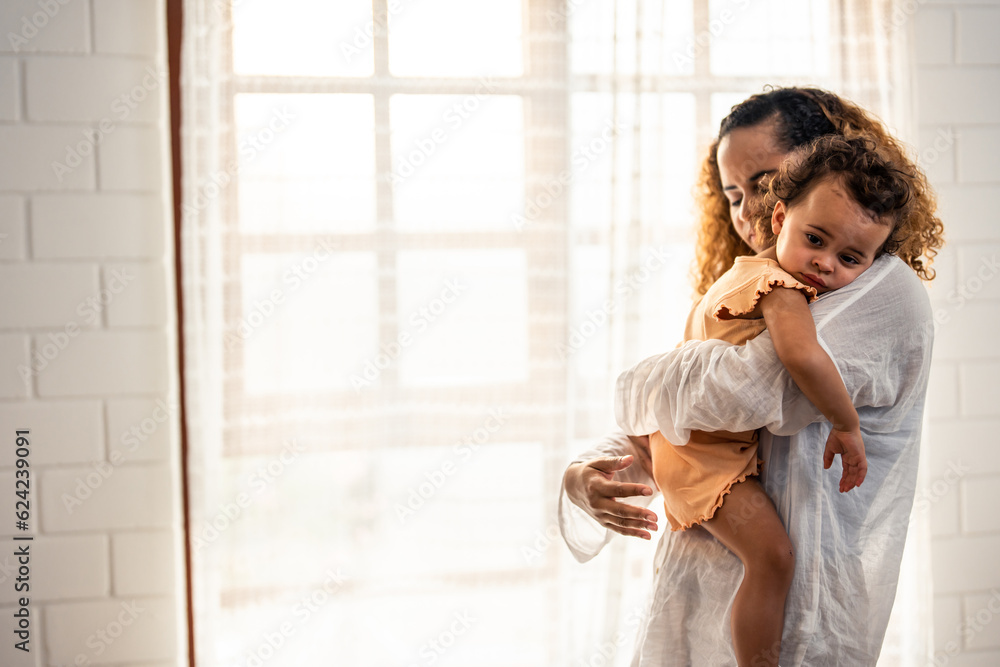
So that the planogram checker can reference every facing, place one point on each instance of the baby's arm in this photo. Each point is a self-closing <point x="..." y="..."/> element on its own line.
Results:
<point x="794" y="335"/>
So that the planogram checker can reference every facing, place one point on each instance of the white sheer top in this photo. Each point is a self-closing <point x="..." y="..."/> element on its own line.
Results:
<point x="848" y="547"/>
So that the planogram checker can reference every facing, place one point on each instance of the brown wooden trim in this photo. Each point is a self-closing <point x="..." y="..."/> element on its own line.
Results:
<point x="175" y="30"/>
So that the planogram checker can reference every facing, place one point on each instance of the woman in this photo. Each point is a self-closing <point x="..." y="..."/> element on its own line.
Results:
<point x="879" y="332"/>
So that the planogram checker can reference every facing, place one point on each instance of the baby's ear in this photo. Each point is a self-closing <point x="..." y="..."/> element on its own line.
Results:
<point x="778" y="217"/>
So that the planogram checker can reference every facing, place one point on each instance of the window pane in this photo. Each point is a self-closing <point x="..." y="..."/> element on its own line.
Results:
<point x="666" y="298"/>
<point x="267" y="565"/>
<point x="456" y="38"/>
<point x="592" y="129"/>
<point x="303" y="38"/>
<point x="658" y="287"/>
<point x="667" y="165"/>
<point x="299" y="338"/>
<point x="467" y="313"/>
<point x="780" y="38"/>
<point x="441" y="179"/>
<point x="444" y="628"/>
<point x="664" y="32"/>
<point x="316" y="172"/>
<point x="421" y="626"/>
<point x="587" y="341"/>
<point x="498" y="516"/>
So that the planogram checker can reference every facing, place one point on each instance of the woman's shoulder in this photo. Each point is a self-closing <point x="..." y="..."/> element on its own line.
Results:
<point x="888" y="295"/>
<point x="888" y="278"/>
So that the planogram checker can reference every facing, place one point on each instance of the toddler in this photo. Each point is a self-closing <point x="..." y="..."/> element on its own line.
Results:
<point x="828" y="212"/>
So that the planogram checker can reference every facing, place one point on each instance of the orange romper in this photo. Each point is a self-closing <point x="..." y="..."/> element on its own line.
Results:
<point x="694" y="477"/>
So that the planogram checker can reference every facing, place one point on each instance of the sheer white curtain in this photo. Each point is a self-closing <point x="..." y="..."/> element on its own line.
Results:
<point x="420" y="241"/>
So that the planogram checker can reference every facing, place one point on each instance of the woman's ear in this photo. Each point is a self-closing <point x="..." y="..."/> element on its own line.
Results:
<point x="778" y="217"/>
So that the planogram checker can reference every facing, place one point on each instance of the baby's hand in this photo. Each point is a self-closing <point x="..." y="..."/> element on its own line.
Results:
<point x="851" y="448"/>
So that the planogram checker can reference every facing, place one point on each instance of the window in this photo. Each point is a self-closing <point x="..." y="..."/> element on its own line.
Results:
<point x="423" y="240"/>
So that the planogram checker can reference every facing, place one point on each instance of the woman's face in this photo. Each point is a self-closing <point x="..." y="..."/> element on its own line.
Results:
<point x="745" y="156"/>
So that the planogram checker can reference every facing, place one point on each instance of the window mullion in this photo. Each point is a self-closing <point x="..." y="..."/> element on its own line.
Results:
<point x="386" y="241"/>
<point x="704" y="131"/>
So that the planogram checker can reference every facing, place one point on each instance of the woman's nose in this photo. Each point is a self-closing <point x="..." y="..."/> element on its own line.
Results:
<point x="748" y="204"/>
<point x="741" y="213"/>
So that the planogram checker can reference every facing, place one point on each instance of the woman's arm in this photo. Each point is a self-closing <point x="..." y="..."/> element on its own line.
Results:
<point x="793" y="334"/>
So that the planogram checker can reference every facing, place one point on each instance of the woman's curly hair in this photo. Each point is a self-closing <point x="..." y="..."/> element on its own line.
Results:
<point x="871" y="178"/>
<point x="801" y="116"/>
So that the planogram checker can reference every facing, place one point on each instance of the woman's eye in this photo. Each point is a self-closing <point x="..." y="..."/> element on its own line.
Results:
<point x="734" y="204"/>
<point x="815" y="240"/>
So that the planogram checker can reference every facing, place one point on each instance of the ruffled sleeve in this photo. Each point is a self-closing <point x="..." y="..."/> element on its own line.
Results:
<point x="760" y="279"/>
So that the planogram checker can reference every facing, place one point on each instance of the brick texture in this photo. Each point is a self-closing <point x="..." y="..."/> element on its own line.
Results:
<point x="87" y="333"/>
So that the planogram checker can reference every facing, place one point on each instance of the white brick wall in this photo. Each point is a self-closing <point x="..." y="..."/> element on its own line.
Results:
<point x="958" y="80"/>
<point x="86" y="279"/>
<point x="92" y="226"/>
<point x="12" y="235"/>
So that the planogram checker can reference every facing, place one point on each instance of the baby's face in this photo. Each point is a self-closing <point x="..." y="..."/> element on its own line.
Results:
<point x="826" y="239"/>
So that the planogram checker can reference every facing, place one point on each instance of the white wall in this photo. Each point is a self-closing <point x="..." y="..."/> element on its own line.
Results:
<point x="104" y="502"/>
<point x="958" y="80"/>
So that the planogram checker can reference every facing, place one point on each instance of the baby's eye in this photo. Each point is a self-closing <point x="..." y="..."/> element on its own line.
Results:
<point x="734" y="204"/>
<point x="815" y="240"/>
<point x="848" y="259"/>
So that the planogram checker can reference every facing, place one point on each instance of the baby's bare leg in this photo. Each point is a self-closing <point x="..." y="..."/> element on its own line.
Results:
<point x="749" y="526"/>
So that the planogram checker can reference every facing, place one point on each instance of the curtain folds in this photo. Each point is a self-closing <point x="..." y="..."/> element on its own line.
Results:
<point x="410" y="279"/>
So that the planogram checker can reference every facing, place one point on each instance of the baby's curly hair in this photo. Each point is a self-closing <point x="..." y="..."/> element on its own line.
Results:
<point x="872" y="178"/>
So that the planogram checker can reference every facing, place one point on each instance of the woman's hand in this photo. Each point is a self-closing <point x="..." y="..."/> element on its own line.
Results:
<point x="591" y="486"/>
<point x="851" y="447"/>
